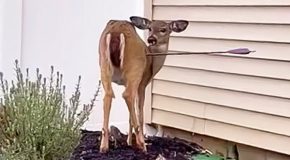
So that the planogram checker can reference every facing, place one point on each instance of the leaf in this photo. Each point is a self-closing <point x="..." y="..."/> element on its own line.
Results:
<point x="207" y="157"/>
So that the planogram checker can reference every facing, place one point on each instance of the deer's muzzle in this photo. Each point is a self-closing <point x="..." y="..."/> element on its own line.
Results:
<point x="152" y="40"/>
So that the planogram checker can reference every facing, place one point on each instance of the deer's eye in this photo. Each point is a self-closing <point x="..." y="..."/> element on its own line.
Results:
<point x="163" y="30"/>
<point x="149" y="29"/>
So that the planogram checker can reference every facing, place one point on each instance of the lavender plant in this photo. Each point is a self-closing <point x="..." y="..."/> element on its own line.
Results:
<point x="37" y="122"/>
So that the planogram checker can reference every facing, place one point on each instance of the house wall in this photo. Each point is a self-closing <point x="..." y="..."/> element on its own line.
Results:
<point x="10" y="35"/>
<point x="220" y="146"/>
<point x="244" y="99"/>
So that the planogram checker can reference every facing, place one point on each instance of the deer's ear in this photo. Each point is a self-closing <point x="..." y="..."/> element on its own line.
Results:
<point x="178" y="26"/>
<point x="139" y="22"/>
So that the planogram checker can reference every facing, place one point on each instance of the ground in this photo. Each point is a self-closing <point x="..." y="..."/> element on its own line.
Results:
<point x="157" y="147"/>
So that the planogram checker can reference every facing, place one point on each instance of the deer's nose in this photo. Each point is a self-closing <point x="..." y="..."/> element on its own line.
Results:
<point x="152" y="40"/>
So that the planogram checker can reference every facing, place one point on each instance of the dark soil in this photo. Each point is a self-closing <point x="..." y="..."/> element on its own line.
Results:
<point x="169" y="148"/>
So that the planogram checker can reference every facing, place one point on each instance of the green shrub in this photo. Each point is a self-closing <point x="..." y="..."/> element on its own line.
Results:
<point x="37" y="122"/>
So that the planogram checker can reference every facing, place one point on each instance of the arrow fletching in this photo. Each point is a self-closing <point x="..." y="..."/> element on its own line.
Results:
<point x="239" y="51"/>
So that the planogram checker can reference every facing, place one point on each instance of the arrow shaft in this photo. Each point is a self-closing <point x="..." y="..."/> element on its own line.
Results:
<point x="182" y="53"/>
<point x="190" y="53"/>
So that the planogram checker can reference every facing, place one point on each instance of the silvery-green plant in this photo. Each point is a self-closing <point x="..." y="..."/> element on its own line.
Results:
<point x="37" y="122"/>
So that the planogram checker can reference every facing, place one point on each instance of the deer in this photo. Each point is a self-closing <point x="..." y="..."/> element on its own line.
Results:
<point x="123" y="61"/>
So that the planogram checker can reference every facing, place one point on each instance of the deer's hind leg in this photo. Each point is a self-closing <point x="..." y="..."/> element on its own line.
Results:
<point x="129" y="138"/>
<point x="107" y="102"/>
<point x="106" y="78"/>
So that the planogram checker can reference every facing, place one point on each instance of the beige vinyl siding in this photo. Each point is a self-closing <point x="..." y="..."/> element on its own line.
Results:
<point x="245" y="99"/>
<point x="235" y="65"/>
<point x="221" y="14"/>
<point x="214" y="112"/>
<point x="236" y="82"/>
<point x="234" y="31"/>
<point x="234" y="99"/>
<point x="221" y="3"/>
<point x="265" y="50"/>
<point x="235" y="133"/>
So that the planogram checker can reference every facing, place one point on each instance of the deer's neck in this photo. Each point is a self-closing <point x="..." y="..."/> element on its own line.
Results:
<point x="158" y="61"/>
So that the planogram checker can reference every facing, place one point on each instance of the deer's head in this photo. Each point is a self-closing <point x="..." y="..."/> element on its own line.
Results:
<point x="159" y="31"/>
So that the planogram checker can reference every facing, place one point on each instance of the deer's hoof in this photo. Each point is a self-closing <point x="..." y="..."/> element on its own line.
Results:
<point x="104" y="147"/>
<point x="142" y="147"/>
<point x="129" y="140"/>
<point x="141" y="143"/>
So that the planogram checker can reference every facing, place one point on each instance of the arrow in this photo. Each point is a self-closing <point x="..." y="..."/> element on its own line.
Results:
<point x="241" y="51"/>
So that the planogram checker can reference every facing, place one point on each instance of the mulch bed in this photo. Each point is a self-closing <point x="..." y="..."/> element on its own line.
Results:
<point x="157" y="147"/>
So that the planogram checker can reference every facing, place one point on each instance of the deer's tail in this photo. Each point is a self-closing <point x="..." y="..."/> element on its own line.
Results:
<point x="115" y="49"/>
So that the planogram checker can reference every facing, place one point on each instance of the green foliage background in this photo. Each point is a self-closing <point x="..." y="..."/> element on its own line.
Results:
<point x="37" y="122"/>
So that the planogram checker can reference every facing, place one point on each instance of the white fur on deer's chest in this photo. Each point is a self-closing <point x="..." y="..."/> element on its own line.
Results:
<point x="117" y="77"/>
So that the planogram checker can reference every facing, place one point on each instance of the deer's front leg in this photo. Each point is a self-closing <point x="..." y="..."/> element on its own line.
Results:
<point x="130" y="96"/>
<point x="129" y="139"/>
<point x="141" y="95"/>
